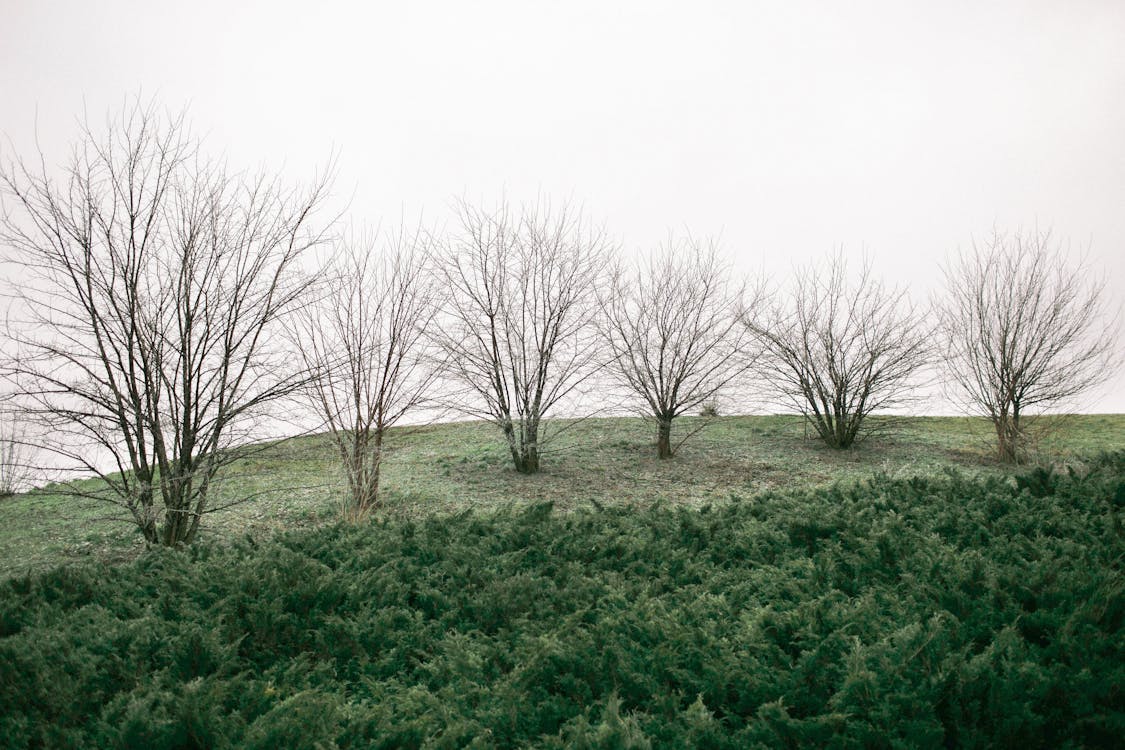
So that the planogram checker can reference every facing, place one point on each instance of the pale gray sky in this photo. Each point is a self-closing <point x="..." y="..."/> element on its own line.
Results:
<point x="902" y="129"/>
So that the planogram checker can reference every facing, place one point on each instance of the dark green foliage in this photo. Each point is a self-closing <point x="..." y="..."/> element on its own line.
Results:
<point x="947" y="612"/>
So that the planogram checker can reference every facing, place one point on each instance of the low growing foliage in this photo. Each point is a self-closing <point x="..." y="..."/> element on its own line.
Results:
<point x="889" y="613"/>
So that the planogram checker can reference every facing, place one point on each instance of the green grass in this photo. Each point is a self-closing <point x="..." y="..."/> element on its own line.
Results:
<point x="448" y="468"/>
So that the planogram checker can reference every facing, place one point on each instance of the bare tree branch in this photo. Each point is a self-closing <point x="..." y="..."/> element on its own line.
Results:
<point x="671" y="328"/>
<point x="365" y="341"/>
<point x="153" y="282"/>
<point x="1023" y="333"/>
<point x="519" y="329"/>
<point x="840" y="349"/>
<point x="17" y="467"/>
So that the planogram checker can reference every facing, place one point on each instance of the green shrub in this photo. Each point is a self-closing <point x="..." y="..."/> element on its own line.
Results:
<point x="892" y="613"/>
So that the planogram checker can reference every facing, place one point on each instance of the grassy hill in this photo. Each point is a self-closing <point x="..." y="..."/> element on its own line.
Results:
<point x="448" y="468"/>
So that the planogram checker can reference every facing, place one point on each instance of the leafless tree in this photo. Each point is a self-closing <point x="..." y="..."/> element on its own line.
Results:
<point x="519" y="333"/>
<point x="16" y="467"/>
<point x="840" y="349"/>
<point x="670" y="325"/>
<point x="151" y="285"/>
<point x="365" y="342"/>
<point x="1023" y="332"/>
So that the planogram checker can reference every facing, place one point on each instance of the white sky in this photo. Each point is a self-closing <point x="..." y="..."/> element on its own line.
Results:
<point x="903" y="129"/>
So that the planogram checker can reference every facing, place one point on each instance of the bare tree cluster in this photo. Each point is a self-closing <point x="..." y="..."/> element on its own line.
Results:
<point x="1023" y="332"/>
<point x="671" y="331"/>
<point x="157" y="290"/>
<point x="519" y="331"/>
<point x="153" y="284"/>
<point x="364" y="341"/>
<point x="840" y="348"/>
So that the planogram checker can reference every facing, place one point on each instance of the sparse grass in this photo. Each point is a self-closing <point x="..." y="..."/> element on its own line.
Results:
<point x="452" y="467"/>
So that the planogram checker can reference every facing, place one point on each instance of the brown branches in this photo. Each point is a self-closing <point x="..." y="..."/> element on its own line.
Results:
<point x="365" y="342"/>
<point x="518" y="333"/>
<point x="671" y="329"/>
<point x="840" y="349"/>
<point x="154" y="282"/>
<point x="1023" y="332"/>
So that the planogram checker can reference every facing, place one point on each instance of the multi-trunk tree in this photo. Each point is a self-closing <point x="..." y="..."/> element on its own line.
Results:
<point x="364" y="341"/>
<point x="152" y="284"/>
<point x="840" y="348"/>
<point x="1023" y="332"/>
<point x="518" y="332"/>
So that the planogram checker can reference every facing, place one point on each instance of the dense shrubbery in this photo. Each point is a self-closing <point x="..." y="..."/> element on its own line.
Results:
<point x="915" y="612"/>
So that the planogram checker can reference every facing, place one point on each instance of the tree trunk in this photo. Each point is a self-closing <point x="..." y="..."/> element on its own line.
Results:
<point x="369" y="500"/>
<point x="152" y="536"/>
<point x="530" y="450"/>
<point x="176" y="522"/>
<point x="663" y="437"/>
<point x="193" y="527"/>
<point x="1004" y="447"/>
<point x="363" y="461"/>
<point x="147" y="520"/>
<point x="846" y="430"/>
<point x="513" y="445"/>
<point x="530" y="460"/>
<point x="826" y="429"/>
<point x="1009" y="438"/>
<point x="524" y="446"/>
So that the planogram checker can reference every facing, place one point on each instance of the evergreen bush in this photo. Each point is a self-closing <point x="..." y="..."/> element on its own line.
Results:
<point x="891" y="613"/>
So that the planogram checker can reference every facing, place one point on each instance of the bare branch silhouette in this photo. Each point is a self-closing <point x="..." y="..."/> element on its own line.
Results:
<point x="365" y="341"/>
<point x="519" y="332"/>
<point x="153" y="284"/>
<point x="1023" y="332"/>
<point x="671" y="328"/>
<point x="840" y="348"/>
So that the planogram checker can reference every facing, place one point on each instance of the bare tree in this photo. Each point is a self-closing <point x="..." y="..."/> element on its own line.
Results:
<point x="670" y="325"/>
<point x="1023" y="332"/>
<point x="365" y="341"/>
<point x="16" y="467"/>
<point x="151" y="285"/>
<point x="519" y="335"/>
<point x="840" y="349"/>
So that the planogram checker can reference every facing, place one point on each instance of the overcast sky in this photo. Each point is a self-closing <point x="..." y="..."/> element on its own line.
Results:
<point x="900" y="129"/>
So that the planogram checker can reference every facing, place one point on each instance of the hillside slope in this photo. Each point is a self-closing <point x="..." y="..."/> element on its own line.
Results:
<point x="448" y="468"/>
